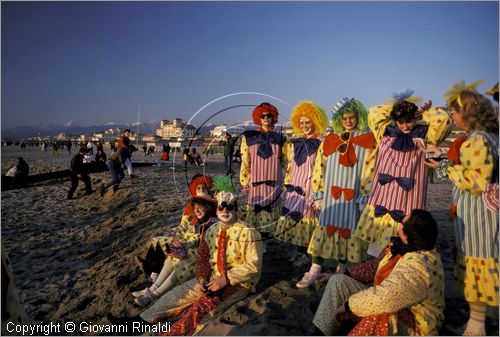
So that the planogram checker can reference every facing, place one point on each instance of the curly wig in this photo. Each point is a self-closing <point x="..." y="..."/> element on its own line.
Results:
<point x="354" y="106"/>
<point x="262" y="108"/>
<point x="312" y="111"/>
<point x="477" y="111"/>
<point x="403" y="111"/>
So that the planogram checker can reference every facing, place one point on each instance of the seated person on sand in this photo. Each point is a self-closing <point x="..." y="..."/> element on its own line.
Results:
<point x="18" y="173"/>
<point x="229" y="267"/>
<point x="153" y="262"/>
<point x="180" y="263"/>
<point x="407" y="296"/>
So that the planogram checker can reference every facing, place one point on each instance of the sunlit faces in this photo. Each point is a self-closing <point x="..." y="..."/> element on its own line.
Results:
<point x="306" y="125"/>
<point x="458" y="119"/>
<point x="127" y="133"/>
<point x="199" y="211"/>
<point x="405" y="126"/>
<point x="349" y="121"/>
<point x="201" y="190"/>
<point x="266" y="119"/>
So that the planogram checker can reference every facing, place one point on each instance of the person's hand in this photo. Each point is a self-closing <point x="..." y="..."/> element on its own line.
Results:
<point x="217" y="282"/>
<point x="79" y="175"/>
<point x="340" y="314"/>
<point x="317" y="204"/>
<point x="201" y="286"/>
<point x="244" y="190"/>
<point x="431" y="148"/>
<point x="429" y="162"/>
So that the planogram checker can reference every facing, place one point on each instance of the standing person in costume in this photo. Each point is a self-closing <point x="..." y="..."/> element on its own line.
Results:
<point x="126" y="148"/>
<point x="261" y="169"/>
<point x="407" y="296"/>
<point x="473" y="169"/>
<point x="180" y="263"/>
<point x="340" y="188"/>
<point x="400" y="177"/>
<point x="298" y="218"/>
<point x="229" y="267"/>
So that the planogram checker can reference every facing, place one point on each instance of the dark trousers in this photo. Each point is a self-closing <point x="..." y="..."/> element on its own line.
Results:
<point x="227" y="164"/>
<point x="74" y="183"/>
<point x="116" y="174"/>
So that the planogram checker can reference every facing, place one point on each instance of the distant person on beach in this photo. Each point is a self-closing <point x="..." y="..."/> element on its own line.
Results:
<point x="298" y="217"/>
<point x="145" y="149"/>
<point x="196" y="157"/>
<point x="45" y="144"/>
<point x="402" y="130"/>
<point x="19" y="172"/>
<point x="78" y="171"/>
<point x="261" y="171"/>
<point x="115" y="167"/>
<point x="228" y="269"/>
<point x="181" y="252"/>
<point x="186" y="157"/>
<point x="55" y="148"/>
<point x="228" y="152"/>
<point x="472" y="166"/>
<point x="69" y="144"/>
<point x="100" y="157"/>
<point x="126" y="148"/>
<point x="341" y="182"/>
<point x="407" y="292"/>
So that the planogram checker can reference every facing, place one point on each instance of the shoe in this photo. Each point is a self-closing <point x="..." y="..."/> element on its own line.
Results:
<point x="140" y="293"/>
<point x="103" y="190"/>
<point x="146" y="299"/>
<point x="308" y="280"/>
<point x="132" y="176"/>
<point x="89" y="192"/>
<point x="69" y="197"/>
<point x="115" y="188"/>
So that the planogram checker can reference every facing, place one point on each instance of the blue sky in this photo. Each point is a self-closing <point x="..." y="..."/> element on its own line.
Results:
<point x="93" y="62"/>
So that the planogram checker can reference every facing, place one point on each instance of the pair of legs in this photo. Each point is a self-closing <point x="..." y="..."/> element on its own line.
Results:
<point x="338" y="290"/>
<point x="165" y="281"/>
<point x="74" y="184"/>
<point x="227" y="164"/>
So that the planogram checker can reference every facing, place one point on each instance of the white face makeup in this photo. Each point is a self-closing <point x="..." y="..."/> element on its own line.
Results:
<point x="226" y="216"/>
<point x="306" y="125"/>
<point x="405" y="126"/>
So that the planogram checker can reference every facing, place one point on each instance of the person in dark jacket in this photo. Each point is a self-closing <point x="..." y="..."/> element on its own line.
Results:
<point x="228" y="152"/>
<point x="78" y="171"/>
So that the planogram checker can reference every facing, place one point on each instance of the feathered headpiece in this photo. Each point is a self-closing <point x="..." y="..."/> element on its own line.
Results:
<point x="453" y="94"/>
<point x="312" y="111"/>
<point x="406" y="95"/>
<point x="349" y="105"/>
<point x="225" y="197"/>
<point x="223" y="184"/>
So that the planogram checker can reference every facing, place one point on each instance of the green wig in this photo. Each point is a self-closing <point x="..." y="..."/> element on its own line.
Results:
<point x="223" y="183"/>
<point x="349" y="105"/>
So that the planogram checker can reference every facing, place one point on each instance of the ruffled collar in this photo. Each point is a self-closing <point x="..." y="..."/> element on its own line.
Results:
<point x="404" y="141"/>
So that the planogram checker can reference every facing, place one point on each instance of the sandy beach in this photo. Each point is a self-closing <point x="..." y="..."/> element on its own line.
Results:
<point x="73" y="259"/>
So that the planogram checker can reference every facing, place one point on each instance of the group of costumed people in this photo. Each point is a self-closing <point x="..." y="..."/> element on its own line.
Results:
<point x="356" y="195"/>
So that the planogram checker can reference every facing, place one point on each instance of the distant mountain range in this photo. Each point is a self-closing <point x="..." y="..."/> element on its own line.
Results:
<point x="51" y="130"/>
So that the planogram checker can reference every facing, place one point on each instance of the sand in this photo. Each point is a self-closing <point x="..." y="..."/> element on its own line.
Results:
<point x="73" y="259"/>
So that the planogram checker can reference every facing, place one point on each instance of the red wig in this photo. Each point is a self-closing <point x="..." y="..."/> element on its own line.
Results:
<point x="263" y="108"/>
<point x="199" y="180"/>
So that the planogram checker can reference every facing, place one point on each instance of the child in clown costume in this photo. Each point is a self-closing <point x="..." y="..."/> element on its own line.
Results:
<point x="261" y="169"/>
<point x="400" y="177"/>
<point x="154" y="259"/>
<point x="473" y="169"/>
<point x="298" y="218"/>
<point x="340" y="185"/>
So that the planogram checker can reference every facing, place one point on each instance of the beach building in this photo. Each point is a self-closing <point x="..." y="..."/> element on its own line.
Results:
<point x="175" y="129"/>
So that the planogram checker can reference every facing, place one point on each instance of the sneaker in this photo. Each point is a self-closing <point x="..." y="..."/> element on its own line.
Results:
<point x="149" y="297"/>
<point x="308" y="280"/>
<point x="103" y="191"/>
<point x="132" y="176"/>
